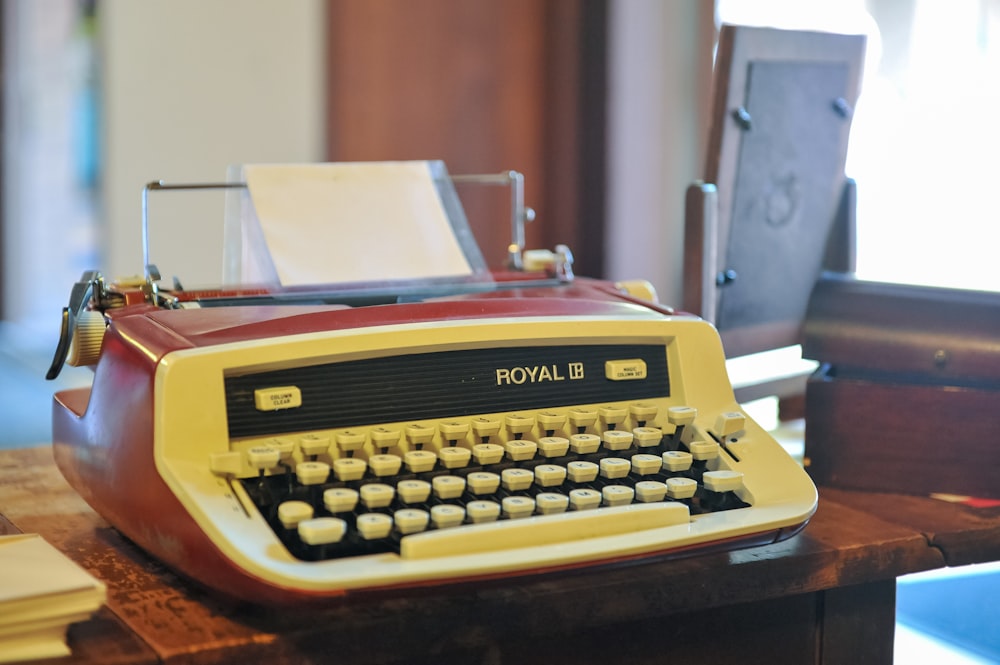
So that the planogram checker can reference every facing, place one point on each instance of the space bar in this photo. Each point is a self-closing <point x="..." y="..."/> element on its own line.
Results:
<point x="543" y="530"/>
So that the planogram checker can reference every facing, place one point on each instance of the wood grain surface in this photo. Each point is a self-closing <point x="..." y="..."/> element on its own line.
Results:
<point x="152" y="615"/>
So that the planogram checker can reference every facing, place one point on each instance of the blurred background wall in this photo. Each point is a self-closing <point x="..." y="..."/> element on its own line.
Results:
<point x="600" y="104"/>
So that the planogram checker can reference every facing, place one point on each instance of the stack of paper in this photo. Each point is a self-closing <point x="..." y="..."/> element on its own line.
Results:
<point x="41" y="593"/>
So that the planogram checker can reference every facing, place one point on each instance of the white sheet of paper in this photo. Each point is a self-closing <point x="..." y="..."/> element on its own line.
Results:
<point x="353" y="222"/>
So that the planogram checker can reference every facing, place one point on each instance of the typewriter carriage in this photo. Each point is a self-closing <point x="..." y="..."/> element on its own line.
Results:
<point x="81" y="328"/>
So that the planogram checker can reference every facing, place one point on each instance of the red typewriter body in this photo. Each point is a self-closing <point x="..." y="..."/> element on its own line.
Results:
<point x="289" y="447"/>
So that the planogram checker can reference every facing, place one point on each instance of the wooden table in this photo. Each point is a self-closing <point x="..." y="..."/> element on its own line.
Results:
<point x="824" y="596"/>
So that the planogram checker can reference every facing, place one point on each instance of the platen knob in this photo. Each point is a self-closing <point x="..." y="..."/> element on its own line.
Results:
<point x="85" y="347"/>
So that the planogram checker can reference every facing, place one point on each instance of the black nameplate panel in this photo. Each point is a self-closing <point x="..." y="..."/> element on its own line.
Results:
<point x="443" y="384"/>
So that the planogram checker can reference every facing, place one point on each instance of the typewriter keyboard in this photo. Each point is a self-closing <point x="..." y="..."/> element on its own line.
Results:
<point x="340" y="494"/>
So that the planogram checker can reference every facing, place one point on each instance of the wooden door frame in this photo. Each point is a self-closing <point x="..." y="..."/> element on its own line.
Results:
<point x="544" y="69"/>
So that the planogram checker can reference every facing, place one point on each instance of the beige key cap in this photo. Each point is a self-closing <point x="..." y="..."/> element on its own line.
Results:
<point x="584" y="499"/>
<point x="520" y="450"/>
<point x="479" y="512"/>
<point x="681" y="415"/>
<point x="551" y="503"/>
<point x="650" y="491"/>
<point x="446" y="515"/>
<point x="454" y="457"/>
<point x="704" y="450"/>
<point x="263" y="457"/>
<point x="516" y="507"/>
<point x="617" y="439"/>
<point x="283" y="444"/>
<point x="340" y="499"/>
<point x="617" y="495"/>
<point x="681" y="488"/>
<point x="290" y="513"/>
<point x="615" y="467"/>
<point x="322" y="530"/>
<point x="553" y="446"/>
<point x="418" y="461"/>
<point x="485" y="427"/>
<point x="581" y="417"/>
<point x="373" y="526"/>
<point x="377" y="495"/>
<point x="385" y="465"/>
<point x="550" y="421"/>
<point x="226" y="463"/>
<point x="646" y="437"/>
<point x="645" y="465"/>
<point x="722" y="481"/>
<point x="314" y="444"/>
<point x="729" y="423"/>
<point x="448" y="487"/>
<point x="413" y="491"/>
<point x="350" y="440"/>
<point x="312" y="473"/>
<point x="487" y="453"/>
<point x="410" y="520"/>
<point x="482" y="482"/>
<point x="385" y="438"/>
<point x="549" y="475"/>
<point x="518" y="423"/>
<point x="583" y="444"/>
<point x="418" y="434"/>
<point x="582" y="472"/>
<point x="454" y="430"/>
<point x="515" y="480"/>
<point x="643" y="412"/>
<point x="349" y="468"/>
<point x="612" y="415"/>
<point x="676" y="460"/>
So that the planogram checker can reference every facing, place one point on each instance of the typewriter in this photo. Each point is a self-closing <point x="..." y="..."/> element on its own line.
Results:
<point x="293" y="444"/>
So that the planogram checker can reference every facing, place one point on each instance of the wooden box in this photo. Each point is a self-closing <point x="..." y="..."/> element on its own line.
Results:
<point x="907" y="398"/>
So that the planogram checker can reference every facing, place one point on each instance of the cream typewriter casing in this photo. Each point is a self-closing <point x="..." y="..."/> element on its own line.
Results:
<point x="149" y="446"/>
